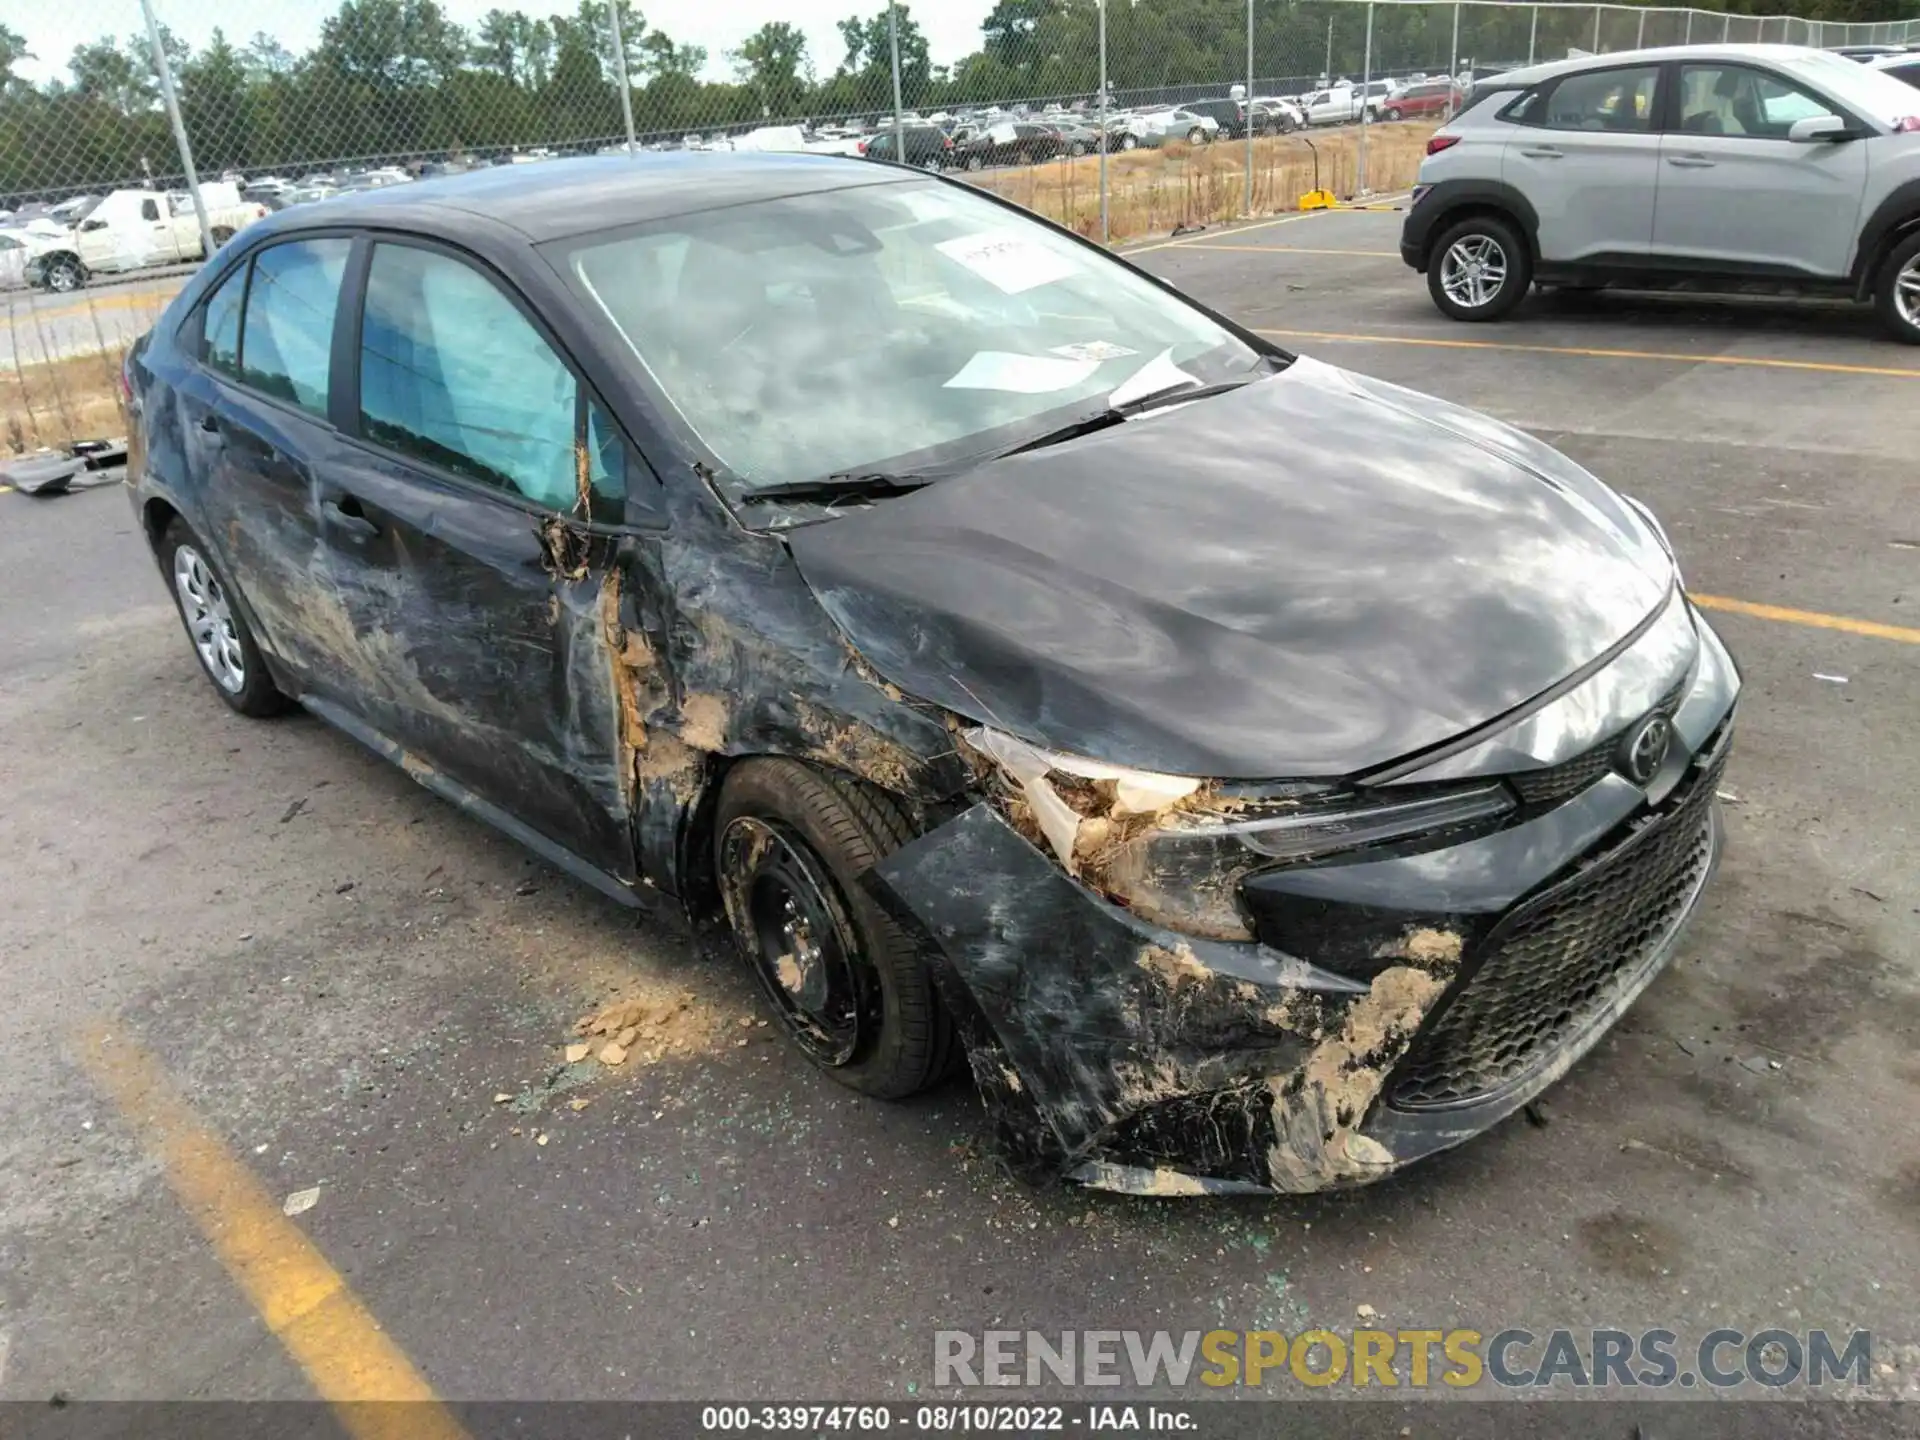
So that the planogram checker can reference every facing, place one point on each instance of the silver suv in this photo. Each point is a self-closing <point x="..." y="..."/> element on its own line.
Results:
<point x="1716" y="167"/>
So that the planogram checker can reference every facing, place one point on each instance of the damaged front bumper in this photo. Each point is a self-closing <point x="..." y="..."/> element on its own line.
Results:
<point x="1389" y="1009"/>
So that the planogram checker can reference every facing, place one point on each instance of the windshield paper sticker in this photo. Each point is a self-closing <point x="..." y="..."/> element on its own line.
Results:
<point x="1008" y="260"/>
<point x="1097" y="351"/>
<point x="1022" y="374"/>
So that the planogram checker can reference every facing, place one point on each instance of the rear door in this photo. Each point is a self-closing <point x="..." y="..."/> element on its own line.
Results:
<point x="1587" y="157"/>
<point x="1735" y="192"/>
<point x="255" y="427"/>
<point x="468" y="534"/>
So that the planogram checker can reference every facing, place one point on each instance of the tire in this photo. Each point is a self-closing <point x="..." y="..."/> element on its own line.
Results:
<point x="1196" y="136"/>
<point x="221" y="235"/>
<point x="215" y="626"/>
<point x="1128" y="142"/>
<point x="976" y="162"/>
<point x="1286" y="124"/>
<point x="1896" y="294"/>
<point x="849" y="985"/>
<point x="931" y="165"/>
<point x="1393" y="114"/>
<point x="1488" y="241"/>
<point x="64" y="274"/>
<point x="1076" y="150"/>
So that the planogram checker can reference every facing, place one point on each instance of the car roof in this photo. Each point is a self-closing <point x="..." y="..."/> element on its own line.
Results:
<point x="1534" y="74"/>
<point x="1897" y="58"/>
<point x="558" y="198"/>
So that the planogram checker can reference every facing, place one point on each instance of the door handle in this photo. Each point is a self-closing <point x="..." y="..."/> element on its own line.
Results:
<point x="1690" y="162"/>
<point x="346" y="514"/>
<point x="1542" y="152"/>
<point x="210" y="423"/>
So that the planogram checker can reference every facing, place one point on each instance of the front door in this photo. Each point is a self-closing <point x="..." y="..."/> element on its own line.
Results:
<point x="458" y="536"/>
<point x="1734" y="188"/>
<point x="1587" y="156"/>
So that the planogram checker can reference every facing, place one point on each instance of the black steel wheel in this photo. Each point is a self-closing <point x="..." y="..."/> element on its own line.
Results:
<point x="848" y="984"/>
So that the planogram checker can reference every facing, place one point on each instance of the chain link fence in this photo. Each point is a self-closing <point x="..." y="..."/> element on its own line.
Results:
<point x="1118" y="118"/>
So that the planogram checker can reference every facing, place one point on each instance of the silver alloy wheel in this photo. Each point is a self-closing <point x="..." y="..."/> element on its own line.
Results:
<point x="1473" y="271"/>
<point x="62" y="277"/>
<point x="1906" y="292"/>
<point x="209" y="620"/>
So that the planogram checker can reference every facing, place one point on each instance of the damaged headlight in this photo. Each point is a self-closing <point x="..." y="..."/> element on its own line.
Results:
<point x="1174" y="849"/>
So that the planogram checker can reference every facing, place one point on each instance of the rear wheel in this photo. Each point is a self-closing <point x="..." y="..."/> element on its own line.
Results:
<point x="1479" y="269"/>
<point x="1196" y="136"/>
<point x="1897" y="295"/>
<point x="64" y="273"/>
<point x="1128" y="142"/>
<point x="847" y="982"/>
<point x="976" y="162"/>
<point x="1392" y="113"/>
<point x="222" y="234"/>
<point x="216" y="627"/>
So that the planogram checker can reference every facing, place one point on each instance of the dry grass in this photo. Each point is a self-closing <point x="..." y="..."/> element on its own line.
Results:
<point x="55" y="403"/>
<point x="1153" y="192"/>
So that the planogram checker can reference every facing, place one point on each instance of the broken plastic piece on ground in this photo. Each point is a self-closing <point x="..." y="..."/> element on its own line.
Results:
<point x="52" y="472"/>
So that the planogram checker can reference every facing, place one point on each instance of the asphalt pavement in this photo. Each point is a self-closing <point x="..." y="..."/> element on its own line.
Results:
<point x="246" y="960"/>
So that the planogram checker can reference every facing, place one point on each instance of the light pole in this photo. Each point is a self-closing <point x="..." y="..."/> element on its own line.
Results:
<point x="899" y="124"/>
<point x="165" y="72"/>
<point x="1105" y="236"/>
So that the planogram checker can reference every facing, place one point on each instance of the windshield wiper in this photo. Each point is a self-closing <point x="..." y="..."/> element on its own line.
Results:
<point x="1181" y="391"/>
<point x="866" y="485"/>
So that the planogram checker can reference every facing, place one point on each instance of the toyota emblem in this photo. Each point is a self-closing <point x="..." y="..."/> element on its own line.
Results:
<point x="1646" y="749"/>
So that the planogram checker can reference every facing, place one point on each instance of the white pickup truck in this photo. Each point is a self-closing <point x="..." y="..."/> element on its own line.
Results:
<point x="135" y="229"/>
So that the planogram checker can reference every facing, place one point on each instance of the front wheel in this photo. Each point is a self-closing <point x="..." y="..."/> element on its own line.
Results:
<point x="1127" y="142"/>
<point x="1393" y="114"/>
<point x="1897" y="295"/>
<point x="64" y="274"/>
<point x="848" y="984"/>
<point x="221" y="235"/>
<point x="216" y="627"/>
<point x="1479" y="269"/>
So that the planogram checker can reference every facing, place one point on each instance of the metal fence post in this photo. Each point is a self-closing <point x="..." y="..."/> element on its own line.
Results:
<point x="1640" y="35"/>
<point x="1596" y="29"/>
<point x="1453" y="60"/>
<point x="1249" y="107"/>
<point x="1726" y="27"/>
<point x="1366" y="83"/>
<point x="1689" y="39"/>
<point x="620" y="70"/>
<point x="1105" y="137"/>
<point x="1328" y="72"/>
<point x="165" y="72"/>
<point x="899" y="122"/>
<point x="1533" y="33"/>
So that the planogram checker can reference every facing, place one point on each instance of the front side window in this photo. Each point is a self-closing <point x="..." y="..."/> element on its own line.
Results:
<point x="1617" y="100"/>
<point x="220" y="326"/>
<point x="1736" y="100"/>
<point x="149" y="210"/>
<point x="286" y="341"/>
<point x="885" y="326"/>
<point x="451" y="372"/>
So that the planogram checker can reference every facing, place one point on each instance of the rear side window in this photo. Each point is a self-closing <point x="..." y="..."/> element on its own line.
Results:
<point x="453" y="373"/>
<point x="286" y="343"/>
<point x="1605" y="100"/>
<point x="220" y="326"/>
<point x="1908" y="73"/>
<point x="149" y="210"/>
<point x="1481" y="94"/>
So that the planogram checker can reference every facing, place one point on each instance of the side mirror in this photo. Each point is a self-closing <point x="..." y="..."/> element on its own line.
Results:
<point x="94" y="225"/>
<point x="1817" y="128"/>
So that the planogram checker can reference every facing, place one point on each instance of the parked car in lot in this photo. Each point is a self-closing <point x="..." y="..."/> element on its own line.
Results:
<point x="1706" y="166"/>
<point x="136" y="229"/>
<point x="1422" y="99"/>
<point x="790" y="542"/>
<point x="926" y="146"/>
<point x="1230" y="117"/>
<point x="1076" y="137"/>
<point x="1011" y="142"/>
<point x="15" y="247"/>
<point x="1334" y="105"/>
<point x="1904" y="67"/>
<point x="1283" y="116"/>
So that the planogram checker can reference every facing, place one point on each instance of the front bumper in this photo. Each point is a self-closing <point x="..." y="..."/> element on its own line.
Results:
<point x="1418" y="1000"/>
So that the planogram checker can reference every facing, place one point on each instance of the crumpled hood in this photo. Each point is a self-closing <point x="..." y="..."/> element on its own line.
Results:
<point x="1311" y="576"/>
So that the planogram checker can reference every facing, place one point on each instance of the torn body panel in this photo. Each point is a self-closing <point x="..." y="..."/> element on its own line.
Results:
<point x="1119" y="1053"/>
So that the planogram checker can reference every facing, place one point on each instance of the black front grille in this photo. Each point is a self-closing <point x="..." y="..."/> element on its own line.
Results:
<point x="1555" y="962"/>
<point x="1567" y="779"/>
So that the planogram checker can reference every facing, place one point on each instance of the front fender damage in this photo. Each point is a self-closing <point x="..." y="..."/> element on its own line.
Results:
<point x="1128" y="1056"/>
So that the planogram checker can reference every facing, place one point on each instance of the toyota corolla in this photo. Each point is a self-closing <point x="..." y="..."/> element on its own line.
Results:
<point x="1263" y="776"/>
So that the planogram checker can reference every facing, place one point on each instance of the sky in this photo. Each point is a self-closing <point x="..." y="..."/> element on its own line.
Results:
<point x="53" y="28"/>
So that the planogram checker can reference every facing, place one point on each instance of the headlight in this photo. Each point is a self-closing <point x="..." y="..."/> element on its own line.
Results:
<point x="1173" y="848"/>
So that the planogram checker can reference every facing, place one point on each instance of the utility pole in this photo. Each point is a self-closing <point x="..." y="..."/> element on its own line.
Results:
<point x="620" y="69"/>
<point x="1248" y="107"/>
<point x="899" y="125"/>
<point x="165" y="72"/>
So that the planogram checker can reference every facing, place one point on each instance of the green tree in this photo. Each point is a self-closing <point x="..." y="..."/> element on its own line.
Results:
<point x="773" y="61"/>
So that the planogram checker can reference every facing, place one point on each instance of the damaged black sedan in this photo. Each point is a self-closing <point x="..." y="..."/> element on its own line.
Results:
<point x="1262" y="775"/>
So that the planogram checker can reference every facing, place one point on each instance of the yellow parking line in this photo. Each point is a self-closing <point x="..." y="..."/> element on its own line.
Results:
<point x="1591" y="353"/>
<point x="1293" y="250"/>
<point x="152" y="299"/>
<point x="6" y="489"/>
<point x="1813" y="618"/>
<point x="302" y="1299"/>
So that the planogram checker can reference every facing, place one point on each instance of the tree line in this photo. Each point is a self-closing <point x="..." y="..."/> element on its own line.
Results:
<point x="397" y="78"/>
